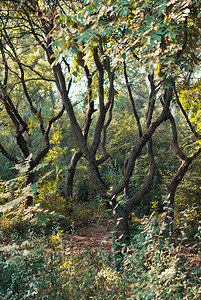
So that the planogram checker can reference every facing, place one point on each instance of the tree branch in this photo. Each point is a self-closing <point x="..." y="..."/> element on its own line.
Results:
<point x="185" y="114"/>
<point x="132" y="101"/>
<point x="91" y="109"/>
<point x="142" y="142"/>
<point x="7" y="155"/>
<point x="185" y="39"/>
<point x="147" y="183"/>
<point x="102" y="113"/>
<point x="152" y="165"/>
<point x="175" y="145"/>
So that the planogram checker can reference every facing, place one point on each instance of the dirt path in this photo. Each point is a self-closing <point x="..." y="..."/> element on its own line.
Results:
<point x="95" y="235"/>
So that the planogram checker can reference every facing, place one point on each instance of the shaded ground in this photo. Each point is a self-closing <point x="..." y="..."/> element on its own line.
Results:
<point x="95" y="235"/>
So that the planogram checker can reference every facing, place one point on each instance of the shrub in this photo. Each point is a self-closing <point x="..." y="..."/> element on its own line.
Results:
<point x="41" y="268"/>
<point x="158" y="269"/>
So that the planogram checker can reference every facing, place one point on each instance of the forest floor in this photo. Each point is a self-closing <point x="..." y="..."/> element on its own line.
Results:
<point x="95" y="235"/>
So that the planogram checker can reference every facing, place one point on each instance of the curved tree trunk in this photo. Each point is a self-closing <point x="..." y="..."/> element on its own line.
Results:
<point x="181" y="171"/>
<point x="169" y="218"/>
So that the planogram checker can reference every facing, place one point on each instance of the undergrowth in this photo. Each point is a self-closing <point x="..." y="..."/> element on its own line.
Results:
<point x="36" y="262"/>
<point x="162" y="268"/>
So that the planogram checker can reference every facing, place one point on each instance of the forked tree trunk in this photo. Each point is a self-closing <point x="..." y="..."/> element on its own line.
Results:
<point x="186" y="162"/>
<point x="169" y="218"/>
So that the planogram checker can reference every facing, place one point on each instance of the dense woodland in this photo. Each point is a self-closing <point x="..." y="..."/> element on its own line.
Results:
<point x="100" y="120"/>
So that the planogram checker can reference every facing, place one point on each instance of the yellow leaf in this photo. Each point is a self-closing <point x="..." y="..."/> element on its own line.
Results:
<point x="32" y="48"/>
<point x="165" y="20"/>
<point x="158" y="68"/>
<point x="94" y="44"/>
<point x="30" y="129"/>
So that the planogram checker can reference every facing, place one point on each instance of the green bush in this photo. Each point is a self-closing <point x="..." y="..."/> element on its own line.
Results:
<point x="38" y="266"/>
<point x="34" y="219"/>
<point x="41" y="268"/>
<point x="188" y="201"/>
<point x="159" y="269"/>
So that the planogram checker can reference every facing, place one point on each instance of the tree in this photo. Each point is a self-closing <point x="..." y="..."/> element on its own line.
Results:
<point x="14" y="109"/>
<point x="98" y="40"/>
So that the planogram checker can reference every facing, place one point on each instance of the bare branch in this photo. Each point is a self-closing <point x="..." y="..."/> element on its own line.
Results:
<point x="132" y="101"/>
<point x="7" y="155"/>
<point x="175" y="145"/>
<point x="91" y="109"/>
<point x="185" y="114"/>
<point x="173" y="186"/>
<point x="152" y="99"/>
<point x="147" y="183"/>
<point x="142" y="142"/>
<point x="55" y="119"/>
<point x="109" y="105"/>
<point x="101" y="119"/>
<point x="40" y="76"/>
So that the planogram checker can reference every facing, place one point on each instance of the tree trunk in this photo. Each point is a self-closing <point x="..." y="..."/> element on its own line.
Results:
<point x="121" y="226"/>
<point x="169" y="218"/>
<point x="28" y="201"/>
<point x="122" y="235"/>
<point x="70" y="175"/>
